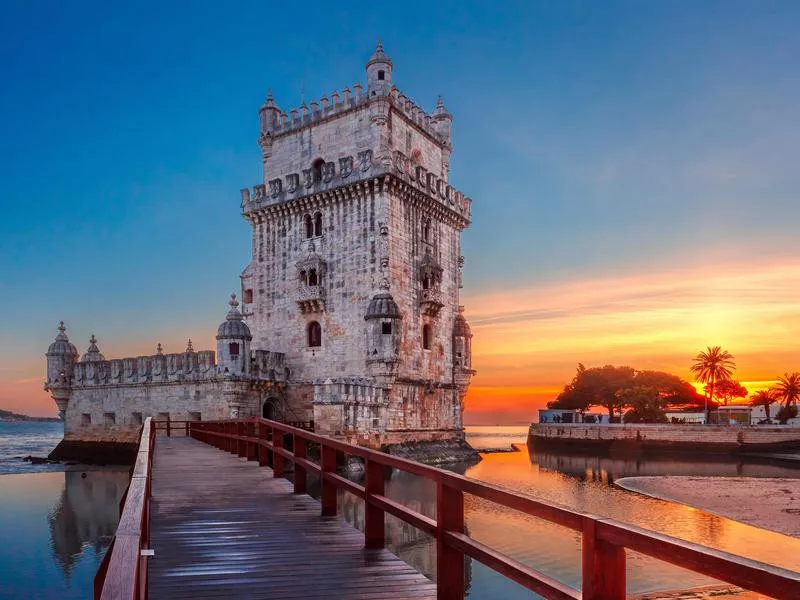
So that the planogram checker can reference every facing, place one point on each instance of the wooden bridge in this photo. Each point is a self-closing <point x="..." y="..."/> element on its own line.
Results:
<point x="200" y="519"/>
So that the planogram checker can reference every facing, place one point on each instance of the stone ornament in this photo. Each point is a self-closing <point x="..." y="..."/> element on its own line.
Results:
<point x="275" y="187"/>
<point x="292" y="182"/>
<point x="365" y="160"/>
<point x="345" y="166"/>
<point x="308" y="178"/>
<point x="328" y="171"/>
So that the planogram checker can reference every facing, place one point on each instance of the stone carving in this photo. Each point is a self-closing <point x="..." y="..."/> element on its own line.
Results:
<point x="345" y="166"/>
<point x="245" y="196"/>
<point x="328" y="171"/>
<point x="292" y="182"/>
<point x="275" y="187"/>
<point x="308" y="178"/>
<point x="365" y="160"/>
<point x="400" y="162"/>
<point x="259" y="191"/>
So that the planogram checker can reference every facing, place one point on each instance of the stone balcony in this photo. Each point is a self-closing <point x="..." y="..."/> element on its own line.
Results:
<point x="430" y="301"/>
<point x="311" y="298"/>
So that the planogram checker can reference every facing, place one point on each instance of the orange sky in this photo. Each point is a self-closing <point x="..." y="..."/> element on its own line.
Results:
<point x="527" y="342"/>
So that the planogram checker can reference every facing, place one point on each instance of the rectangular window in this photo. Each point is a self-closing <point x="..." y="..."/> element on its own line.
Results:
<point x="233" y="348"/>
<point x="86" y="420"/>
<point x="248" y="296"/>
<point x="110" y="418"/>
<point x="386" y="328"/>
<point x="195" y="416"/>
<point x="136" y="418"/>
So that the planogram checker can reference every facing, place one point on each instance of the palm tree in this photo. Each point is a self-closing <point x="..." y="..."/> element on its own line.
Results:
<point x="763" y="398"/>
<point x="788" y="388"/>
<point x="711" y="366"/>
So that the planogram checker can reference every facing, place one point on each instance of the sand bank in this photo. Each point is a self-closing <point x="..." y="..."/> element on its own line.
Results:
<point x="772" y="504"/>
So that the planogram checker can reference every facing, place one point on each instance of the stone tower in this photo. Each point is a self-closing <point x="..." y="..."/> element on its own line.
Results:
<point x="356" y="263"/>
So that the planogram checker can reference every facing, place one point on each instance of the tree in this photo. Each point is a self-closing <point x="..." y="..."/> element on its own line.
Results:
<point x="711" y="366"/>
<point x="646" y="405"/>
<point x="572" y="398"/>
<point x="763" y="398"/>
<point x="671" y="388"/>
<point x="728" y="389"/>
<point x="788" y="388"/>
<point x="786" y="412"/>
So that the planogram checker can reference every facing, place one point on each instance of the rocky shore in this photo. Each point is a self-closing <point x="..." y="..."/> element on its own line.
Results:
<point x="435" y="453"/>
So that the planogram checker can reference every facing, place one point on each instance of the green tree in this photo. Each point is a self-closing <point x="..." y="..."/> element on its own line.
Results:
<point x="788" y="388"/>
<point x="671" y="388"/>
<point x="573" y="397"/>
<point x="711" y="366"/>
<point x="728" y="389"/>
<point x="763" y="398"/>
<point x="647" y="405"/>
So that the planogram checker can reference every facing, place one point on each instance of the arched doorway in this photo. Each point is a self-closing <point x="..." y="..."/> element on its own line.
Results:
<point x="271" y="410"/>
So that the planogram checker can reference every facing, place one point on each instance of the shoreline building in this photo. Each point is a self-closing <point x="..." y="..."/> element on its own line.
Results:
<point x="350" y="314"/>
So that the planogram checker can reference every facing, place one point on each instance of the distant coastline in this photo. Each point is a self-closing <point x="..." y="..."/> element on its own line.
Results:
<point x="8" y="416"/>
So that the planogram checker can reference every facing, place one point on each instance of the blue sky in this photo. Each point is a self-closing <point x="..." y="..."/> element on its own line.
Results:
<point x="596" y="140"/>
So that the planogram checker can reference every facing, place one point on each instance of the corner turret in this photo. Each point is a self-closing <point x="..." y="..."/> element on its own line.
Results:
<point x="383" y="333"/>
<point x="233" y="342"/>
<point x="442" y="122"/>
<point x="379" y="73"/>
<point x="61" y="358"/>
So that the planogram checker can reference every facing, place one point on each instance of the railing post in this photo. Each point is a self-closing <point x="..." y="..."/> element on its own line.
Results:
<point x="374" y="531"/>
<point x="603" y="566"/>
<point x="299" y="472"/>
<point x="262" y="451"/>
<point x="328" y="497"/>
<point x="187" y="428"/>
<point x="252" y="446"/>
<point x="277" y="459"/>
<point x="449" y="561"/>
<point x="168" y="428"/>
<point x="241" y="426"/>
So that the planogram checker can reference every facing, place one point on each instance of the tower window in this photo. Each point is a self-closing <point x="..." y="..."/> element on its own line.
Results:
<point x="86" y="420"/>
<point x="386" y="328"/>
<point x="381" y="75"/>
<point x="233" y="348"/>
<point x="308" y="224"/>
<point x="426" y="230"/>
<point x="316" y="170"/>
<point x="303" y="277"/>
<point x="426" y="283"/>
<point x="314" y="335"/>
<point x="312" y="277"/>
<point x="426" y="337"/>
<point x="318" y="224"/>
<point x="248" y="296"/>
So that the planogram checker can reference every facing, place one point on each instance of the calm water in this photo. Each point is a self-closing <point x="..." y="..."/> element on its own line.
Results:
<point x="56" y="526"/>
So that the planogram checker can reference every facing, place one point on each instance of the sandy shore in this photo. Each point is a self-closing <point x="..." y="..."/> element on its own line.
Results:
<point x="772" y="504"/>
<point x="711" y="592"/>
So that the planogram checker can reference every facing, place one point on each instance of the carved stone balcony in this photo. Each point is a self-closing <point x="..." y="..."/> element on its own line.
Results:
<point x="311" y="298"/>
<point x="430" y="301"/>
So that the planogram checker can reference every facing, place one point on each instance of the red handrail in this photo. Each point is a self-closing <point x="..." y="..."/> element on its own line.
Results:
<point x="123" y="573"/>
<point x="603" y="540"/>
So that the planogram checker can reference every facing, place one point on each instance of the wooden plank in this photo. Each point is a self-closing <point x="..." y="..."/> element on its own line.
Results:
<point x="224" y="528"/>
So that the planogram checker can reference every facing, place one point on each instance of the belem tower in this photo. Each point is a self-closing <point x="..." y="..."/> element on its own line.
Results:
<point x="348" y="315"/>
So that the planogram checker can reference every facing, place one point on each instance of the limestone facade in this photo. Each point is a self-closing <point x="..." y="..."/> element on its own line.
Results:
<point x="350" y="314"/>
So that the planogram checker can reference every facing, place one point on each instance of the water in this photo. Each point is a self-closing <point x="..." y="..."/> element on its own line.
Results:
<point x="56" y="525"/>
<point x="585" y="484"/>
<point x="20" y="438"/>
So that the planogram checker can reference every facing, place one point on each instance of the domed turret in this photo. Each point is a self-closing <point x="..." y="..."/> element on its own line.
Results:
<point x="233" y="342"/>
<point x="379" y="73"/>
<point x="442" y="121"/>
<point x="61" y="355"/>
<point x="61" y="359"/>
<point x="462" y="342"/>
<point x="93" y="352"/>
<point x="383" y="330"/>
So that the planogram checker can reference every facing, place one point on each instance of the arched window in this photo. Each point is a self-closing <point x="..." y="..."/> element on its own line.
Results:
<point x="303" y="277"/>
<point x="426" y="337"/>
<point x="314" y="335"/>
<point x="426" y="230"/>
<point x="426" y="282"/>
<point x="233" y="348"/>
<point x="312" y="277"/>
<point x="318" y="224"/>
<point x="308" y="225"/>
<point x="316" y="170"/>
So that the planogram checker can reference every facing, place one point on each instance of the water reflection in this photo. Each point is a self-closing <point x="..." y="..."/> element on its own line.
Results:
<point x="59" y="525"/>
<point x="584" y="483"/>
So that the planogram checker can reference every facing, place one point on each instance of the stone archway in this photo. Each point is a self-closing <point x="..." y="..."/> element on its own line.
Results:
<point x="272" y="409"/>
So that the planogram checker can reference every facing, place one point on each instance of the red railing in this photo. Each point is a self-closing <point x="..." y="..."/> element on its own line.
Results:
<point x="603" y="540"/>
<point x="123" y="573"/>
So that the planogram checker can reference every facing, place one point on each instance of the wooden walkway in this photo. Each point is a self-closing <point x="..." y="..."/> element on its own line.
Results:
<point x="222" y="527"/>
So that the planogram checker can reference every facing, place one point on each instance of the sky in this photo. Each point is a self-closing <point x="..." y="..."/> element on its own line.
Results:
<point x="633" y="168"/>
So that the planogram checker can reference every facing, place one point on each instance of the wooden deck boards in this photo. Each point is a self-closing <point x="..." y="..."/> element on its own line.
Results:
<point x="222" y="527"/>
